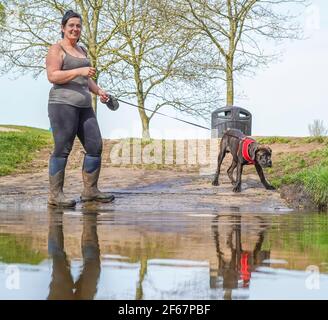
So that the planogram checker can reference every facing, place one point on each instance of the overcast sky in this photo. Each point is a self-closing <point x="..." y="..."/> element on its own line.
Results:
<point x="283" y="98"/>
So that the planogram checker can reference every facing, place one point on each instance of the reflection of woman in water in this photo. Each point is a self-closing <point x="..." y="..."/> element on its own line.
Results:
<point x="62" y="286"/>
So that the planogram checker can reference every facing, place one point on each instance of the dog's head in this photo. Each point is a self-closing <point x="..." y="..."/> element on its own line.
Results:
<point x="263" y="156"/>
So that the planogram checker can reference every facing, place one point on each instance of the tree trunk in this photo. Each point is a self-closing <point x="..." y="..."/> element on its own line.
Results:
<point x="94" y="64"/>
<point x="91" y="29"/>
<point x="145" y="131"/>
<point x="143" y="116"/>
<point x="145" y="124"/>
<point x="231" y="52"/>
<point x="141" y="104"/>
<point x="94" y="103"/>
<point x="230" y="88"/>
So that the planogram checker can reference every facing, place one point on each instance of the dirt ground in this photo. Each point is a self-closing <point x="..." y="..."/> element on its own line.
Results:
<point x="5" y="129"/>
<point x="143" y="190"/>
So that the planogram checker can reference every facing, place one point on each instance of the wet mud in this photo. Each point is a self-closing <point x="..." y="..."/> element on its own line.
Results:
<point x="139" y="190"/>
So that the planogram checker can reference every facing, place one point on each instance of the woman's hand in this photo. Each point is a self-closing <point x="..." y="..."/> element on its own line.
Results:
<point x="88" y="72"/>
<point x="103" y="95"/>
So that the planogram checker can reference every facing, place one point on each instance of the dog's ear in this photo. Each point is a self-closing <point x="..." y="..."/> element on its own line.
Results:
<point x="264" y="148"/>
<point x="254" y="147"/>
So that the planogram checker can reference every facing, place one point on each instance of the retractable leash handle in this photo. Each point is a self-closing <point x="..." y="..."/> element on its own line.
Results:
<point x="112" y="103"/>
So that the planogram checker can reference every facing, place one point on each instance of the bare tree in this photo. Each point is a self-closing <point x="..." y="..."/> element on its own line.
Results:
<point x="34" y="25"/>
<point x="137" y="51"/>
<point x="2" y="15"/>
<point x="235" y="28"/>
<point x="155" y="65"/>
<point x="317" y="128"/>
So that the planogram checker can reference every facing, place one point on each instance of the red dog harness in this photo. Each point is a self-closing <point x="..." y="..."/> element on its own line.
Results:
<point x="246" y="142"/>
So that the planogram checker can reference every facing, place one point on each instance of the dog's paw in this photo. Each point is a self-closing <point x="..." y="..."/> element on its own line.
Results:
<point x="237" y="189"/>
<point x="215" y="182"/>
<point x="269" y="187"/>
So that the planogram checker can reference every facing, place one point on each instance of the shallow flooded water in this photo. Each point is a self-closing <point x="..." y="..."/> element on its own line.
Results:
<point x="98" y="254"/>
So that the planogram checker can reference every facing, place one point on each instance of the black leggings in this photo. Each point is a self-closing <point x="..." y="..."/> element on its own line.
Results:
<point x="67" y="122"/>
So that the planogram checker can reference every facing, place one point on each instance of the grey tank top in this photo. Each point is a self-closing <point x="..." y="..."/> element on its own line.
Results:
<point x="75" y="92"/>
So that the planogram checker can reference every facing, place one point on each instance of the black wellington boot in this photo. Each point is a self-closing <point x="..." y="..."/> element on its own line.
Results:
<point x="56" y="183"/>
<point x="90" y="173"/>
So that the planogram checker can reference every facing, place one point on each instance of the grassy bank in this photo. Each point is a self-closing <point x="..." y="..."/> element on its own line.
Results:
<point x="18" y="148"/>
<point x="305" y="169"/>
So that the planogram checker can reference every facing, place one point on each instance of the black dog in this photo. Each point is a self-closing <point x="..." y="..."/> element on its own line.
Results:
<point x="244" y="151"/>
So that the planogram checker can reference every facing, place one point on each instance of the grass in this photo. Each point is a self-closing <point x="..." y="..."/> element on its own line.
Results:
<point x="19" y="148"/>
<point x="16" y="249"/>
<point x="315" y="181"/>
<point x="293" y="140"/>
<point x="299" y="236"/>
<point x="319" y="139"/>
<point x="309" y="170"/>
<point x="272" y="140"/>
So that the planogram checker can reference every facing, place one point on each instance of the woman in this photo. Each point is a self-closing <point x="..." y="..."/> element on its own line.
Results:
<point x="71" y="114"/>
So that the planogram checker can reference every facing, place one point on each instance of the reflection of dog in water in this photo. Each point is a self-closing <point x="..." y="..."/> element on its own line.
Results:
<point x="62" y="286"/>
<point x="235" y="263"/>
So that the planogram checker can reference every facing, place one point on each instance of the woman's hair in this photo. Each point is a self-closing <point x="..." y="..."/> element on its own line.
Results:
<point x="68" y="15"/>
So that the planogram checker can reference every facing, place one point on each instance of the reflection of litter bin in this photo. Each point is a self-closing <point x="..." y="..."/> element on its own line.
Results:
<point x="231" y="117"/>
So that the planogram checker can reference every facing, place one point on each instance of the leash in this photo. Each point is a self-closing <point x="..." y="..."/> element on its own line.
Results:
<point x="112" y="103"/>
<point x="165" y="115"/>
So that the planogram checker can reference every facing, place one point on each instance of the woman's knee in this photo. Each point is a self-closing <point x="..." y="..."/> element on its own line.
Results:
<point x="61" y="153"/>
<point x="94" y="149"/>
<point x="62" y="149"/>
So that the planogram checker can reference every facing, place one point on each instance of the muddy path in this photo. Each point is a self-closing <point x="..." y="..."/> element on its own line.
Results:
<point x="140" y="190"/>
<point x="180" y="189"/>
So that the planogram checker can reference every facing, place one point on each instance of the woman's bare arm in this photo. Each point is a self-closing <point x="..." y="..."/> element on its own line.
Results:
<point x="93" y="87"/>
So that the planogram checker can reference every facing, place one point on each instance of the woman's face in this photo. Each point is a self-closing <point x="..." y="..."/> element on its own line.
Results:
<point x="72" y="29"/>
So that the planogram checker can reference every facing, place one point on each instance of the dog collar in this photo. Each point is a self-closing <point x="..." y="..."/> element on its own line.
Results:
<point x="246" y="142"/>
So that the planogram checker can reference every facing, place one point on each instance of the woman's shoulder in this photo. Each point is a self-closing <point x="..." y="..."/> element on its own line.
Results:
<point x="55" y="51"/>
<point x="85" y="51"/>
<point x="56" y="47"/>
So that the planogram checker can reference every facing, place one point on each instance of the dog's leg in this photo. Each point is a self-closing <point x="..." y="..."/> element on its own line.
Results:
<point x="230" y="171"/>
<point x="237" y="187"/>
<point x="221" y="156"/>
<point x="266" y="184"/>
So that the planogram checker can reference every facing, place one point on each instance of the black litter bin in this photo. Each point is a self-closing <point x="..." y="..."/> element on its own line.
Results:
<point x="231" y="117"/>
